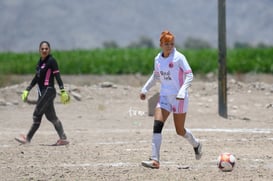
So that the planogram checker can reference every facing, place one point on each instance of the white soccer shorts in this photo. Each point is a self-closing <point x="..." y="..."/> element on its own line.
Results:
<point x="171" y="104"/>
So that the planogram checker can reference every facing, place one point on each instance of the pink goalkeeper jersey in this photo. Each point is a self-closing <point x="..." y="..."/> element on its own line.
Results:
<point x="171" y="71"/>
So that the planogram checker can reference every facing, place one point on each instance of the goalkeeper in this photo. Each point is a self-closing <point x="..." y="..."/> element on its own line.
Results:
<point x="46" y="70"/>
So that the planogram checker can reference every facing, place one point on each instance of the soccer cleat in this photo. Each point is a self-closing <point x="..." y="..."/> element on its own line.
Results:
<point x="61" y="142"/>
<point x="150" y="164"/>
<point x="22" y="139"/>
<point x="198" y="152"/>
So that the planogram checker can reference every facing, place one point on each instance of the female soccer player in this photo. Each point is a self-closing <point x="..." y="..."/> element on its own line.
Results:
<point x="46" y="70"/>
<point x="175" y="75"/>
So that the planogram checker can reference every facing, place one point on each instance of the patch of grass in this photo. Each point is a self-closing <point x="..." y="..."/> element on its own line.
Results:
<point x="131" y="61"/>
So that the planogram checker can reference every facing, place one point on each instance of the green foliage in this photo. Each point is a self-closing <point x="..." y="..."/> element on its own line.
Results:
<point x="250" y="60"/>
<point x="138" y="60"/>
<point x="202" y="61"/>
<point x="17" y="63"/>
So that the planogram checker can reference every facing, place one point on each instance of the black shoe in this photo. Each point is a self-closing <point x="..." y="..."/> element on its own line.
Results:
<point x="198" y="152"/>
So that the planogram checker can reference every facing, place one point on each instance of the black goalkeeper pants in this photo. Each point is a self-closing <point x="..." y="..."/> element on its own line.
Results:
<point x="45" y="106"/>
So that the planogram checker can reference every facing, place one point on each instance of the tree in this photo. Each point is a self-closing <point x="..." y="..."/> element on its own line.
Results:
<point x="194" y="43"/>
<point x="110" y="44"/>
<point x="144" y="42"/>
<point x="242" y="45"/>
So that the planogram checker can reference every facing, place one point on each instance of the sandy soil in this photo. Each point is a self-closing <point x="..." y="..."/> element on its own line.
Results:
<point x="110" y="132"/>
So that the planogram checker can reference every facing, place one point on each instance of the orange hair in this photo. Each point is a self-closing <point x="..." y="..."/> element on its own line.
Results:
<point x="166" y="36"/>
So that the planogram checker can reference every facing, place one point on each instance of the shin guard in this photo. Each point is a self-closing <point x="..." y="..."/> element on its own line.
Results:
<point x="157" y="139"/>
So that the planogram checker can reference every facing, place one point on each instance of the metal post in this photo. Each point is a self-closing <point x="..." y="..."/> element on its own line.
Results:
<point x="222" y="75"/>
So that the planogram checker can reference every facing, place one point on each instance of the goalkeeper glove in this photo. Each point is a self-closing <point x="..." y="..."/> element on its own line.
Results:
<point x="24" y="95"/>
<point x="65" y="98"/>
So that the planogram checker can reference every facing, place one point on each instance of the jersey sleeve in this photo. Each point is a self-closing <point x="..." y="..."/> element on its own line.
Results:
<point x="56" y="73"/>
<point x="151" y="81"/>
<point x="32" y="83"/>
<point x="184" y="65"/>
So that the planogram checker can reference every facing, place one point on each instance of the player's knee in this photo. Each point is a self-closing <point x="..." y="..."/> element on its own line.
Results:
<point x="158" y="126"/>
<point x="54" y="120"/>
<point x="36" y="119"/>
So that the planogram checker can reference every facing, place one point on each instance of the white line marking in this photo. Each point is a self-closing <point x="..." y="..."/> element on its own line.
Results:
<point x="127" y="130"/>
<point x="235" y="130"/>
<point x="121" y="142"/>
<point x="5" y="146"/>
<point x="116" y="164"/>
<point x="229" y="130"/>
<point x="212" y="164"/>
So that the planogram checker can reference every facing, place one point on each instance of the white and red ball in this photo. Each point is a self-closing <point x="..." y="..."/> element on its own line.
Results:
<point x="226" y="162"/>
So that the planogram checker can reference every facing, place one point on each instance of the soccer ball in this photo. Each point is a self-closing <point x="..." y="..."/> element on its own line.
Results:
<point x="226" y="162"/>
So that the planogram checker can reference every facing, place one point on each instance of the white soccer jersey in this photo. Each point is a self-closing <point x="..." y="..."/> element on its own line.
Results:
<point x="172" y="71"/>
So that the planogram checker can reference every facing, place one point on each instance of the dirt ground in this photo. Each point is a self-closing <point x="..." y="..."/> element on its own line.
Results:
<point x="110" y="131"/>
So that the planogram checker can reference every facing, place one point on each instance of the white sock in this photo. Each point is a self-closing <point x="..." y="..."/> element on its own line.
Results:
<point x="156" y="143"/>
<point x="191" y="139"/>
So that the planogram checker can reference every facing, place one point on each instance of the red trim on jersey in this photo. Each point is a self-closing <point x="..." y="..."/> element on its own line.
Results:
<point x="188" y="71"/>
